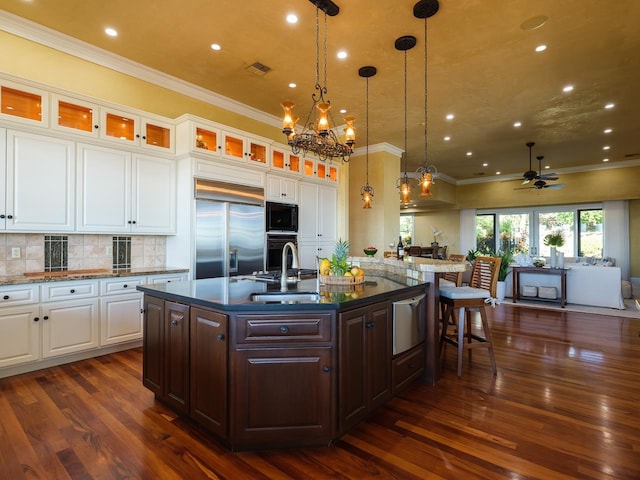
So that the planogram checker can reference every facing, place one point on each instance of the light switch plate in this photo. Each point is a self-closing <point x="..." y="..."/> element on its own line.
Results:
<point x="15" y="252"/>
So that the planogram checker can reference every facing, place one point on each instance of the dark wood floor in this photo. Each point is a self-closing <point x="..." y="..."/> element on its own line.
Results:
<point x="565" y="404"/>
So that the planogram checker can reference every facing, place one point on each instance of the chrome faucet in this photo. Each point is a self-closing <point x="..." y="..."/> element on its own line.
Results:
<point x="294" y="264"/>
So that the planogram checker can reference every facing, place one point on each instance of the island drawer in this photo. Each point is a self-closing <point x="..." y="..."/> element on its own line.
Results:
<point x="288" y="328"/>
<point x="407" y="367"/>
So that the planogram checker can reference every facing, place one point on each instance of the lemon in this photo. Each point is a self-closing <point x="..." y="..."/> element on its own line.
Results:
<point x="355" y="271"/>
<point x="348" y="274"/>
<point x="325" y="266"/>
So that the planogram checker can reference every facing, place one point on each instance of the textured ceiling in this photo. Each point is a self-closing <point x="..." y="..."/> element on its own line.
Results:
<point x="481" y="67"/>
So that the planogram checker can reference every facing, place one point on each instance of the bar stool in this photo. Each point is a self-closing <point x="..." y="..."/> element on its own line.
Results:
<point x="468" y="299"/>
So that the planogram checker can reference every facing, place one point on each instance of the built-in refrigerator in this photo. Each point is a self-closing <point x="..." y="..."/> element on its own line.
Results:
<point x="230" y="229"/>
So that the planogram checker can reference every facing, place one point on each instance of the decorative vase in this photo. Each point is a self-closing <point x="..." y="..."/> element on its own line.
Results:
<point x="560" y="259"/>
<point x="501" y="290"/>
<point x="553" y="258"/>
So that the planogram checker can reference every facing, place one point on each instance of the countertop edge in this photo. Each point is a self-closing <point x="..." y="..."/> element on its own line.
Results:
<point x="136" y="272"/>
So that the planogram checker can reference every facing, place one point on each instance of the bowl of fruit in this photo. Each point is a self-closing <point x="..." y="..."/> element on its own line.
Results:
<point x="337" y="271"/>
<point x="370" y="251"/>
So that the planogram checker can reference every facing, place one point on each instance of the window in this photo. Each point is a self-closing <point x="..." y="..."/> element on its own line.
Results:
<point x="590" y="233"/>
<point x="524" y="230"/>
<point x="406" y="229"/>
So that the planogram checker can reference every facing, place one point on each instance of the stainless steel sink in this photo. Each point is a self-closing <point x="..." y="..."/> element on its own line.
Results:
<point x="285" y="297"/>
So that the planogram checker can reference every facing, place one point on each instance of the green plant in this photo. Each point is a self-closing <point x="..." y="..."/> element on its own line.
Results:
<point x="473" y="254"/>
<point x="339" y="264"/>
<point x="555" y="239"/>
<point x="506" y="257"/>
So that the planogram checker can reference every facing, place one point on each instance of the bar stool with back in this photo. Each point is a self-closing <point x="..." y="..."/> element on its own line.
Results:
<point x="466" y="300"/>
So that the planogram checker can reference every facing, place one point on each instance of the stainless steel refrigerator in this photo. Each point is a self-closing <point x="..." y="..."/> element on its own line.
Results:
<point x="230" y="229"/>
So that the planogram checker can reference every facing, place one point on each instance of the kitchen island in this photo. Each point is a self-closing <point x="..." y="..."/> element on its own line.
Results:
<point x="259" y="370"/>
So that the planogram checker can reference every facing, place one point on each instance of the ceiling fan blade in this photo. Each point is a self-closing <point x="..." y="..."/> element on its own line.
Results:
<point x="547" y="177"/>
<point x="526" y="180"/>
<point x="555" y="186"/>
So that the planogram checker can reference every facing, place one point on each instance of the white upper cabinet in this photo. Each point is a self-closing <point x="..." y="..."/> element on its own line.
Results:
<point x="285" y="161"/>
<point x="282" y="189"/>
<point x="130" y="129"/>
<point x="22" y="104"/>
<point x="75" y="116"/>
<point x="119" y="192"/>
<point x="39" y="194"/>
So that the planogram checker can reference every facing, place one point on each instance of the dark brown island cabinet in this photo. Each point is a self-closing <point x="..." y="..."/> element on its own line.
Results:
<point x="265" y="379"/>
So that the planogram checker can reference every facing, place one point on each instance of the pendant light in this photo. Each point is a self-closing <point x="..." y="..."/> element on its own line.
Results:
<point x="427" y="174"/>
<point x="317" y="135"/>
<point x="405" y="43"/>
<point x="367" y="190"/>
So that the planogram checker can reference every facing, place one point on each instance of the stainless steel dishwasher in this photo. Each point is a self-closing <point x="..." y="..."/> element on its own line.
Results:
<point x="408" y="323"/>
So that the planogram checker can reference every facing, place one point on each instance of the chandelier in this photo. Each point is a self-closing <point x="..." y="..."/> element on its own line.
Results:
<point x="318" y="137"/>
<point x="426" y="173"/>
<point x="405" y="43"/>
<point x="367" y="190"/>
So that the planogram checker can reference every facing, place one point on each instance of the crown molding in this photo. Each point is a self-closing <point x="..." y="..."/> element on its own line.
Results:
<point x="28" y="30"/>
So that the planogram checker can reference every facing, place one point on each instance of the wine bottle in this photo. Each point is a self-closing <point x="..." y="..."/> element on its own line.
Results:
<point x="400" y="249"/>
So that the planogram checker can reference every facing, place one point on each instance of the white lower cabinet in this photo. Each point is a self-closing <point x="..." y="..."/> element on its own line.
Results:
<point x="42" y="321"/>
<point x="69" y="326"/>
<point x="19" y="335"/>
<point x="120" y="318"/>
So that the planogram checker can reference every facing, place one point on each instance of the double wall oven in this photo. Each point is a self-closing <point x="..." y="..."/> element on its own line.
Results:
<point x="275" y="244"/>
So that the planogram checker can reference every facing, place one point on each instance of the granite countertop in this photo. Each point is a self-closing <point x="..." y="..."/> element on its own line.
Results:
<point x="234" y="293"/>
<point x="88" y="274"/>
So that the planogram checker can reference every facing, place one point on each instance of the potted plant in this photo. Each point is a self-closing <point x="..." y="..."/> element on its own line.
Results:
<point x="553" y="240"/>
<point x="506" y="257"/>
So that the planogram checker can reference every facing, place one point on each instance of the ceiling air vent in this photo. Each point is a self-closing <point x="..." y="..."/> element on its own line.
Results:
<point x="258" y="69"/>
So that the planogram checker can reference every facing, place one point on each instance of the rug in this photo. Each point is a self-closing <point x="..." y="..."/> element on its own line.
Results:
<point x="632" y="307"/>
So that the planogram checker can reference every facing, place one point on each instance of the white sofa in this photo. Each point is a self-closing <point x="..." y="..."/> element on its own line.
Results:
<point x="592" y="285"/>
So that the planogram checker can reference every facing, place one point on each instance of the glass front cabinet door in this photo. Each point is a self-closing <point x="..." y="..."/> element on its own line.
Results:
<point x="74" y="115"/>
<point x="24" y="105"/>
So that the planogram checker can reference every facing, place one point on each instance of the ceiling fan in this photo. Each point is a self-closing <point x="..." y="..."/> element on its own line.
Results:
<point x="540" y="179"/>
<point x="530" y="175"/>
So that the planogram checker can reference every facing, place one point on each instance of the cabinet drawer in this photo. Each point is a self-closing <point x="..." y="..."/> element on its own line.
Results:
<point x="69" y="290"/>
<point x="19" y="295"/>
<point x="407" y="367"/>
<point x="115" y="286"/>
<point x="167" y="278"/>
<point x="283" y="328"/>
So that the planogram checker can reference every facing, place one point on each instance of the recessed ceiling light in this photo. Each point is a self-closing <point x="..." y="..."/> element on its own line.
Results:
<point x="547" y="167"/>
<point x="216" y="47"/>
<point x="485" y="164"/>
<point x="469" y="154"/>
<point x="498" y="173"/>
<point x="447" y="138"/>
<point x="541" y="48"/>
<point x="517" y="124"/>
<point x="112" y="32"/>
<point x="342" y="54"/>
<point x="606" y="147"/>
<point x="609" y="105"/>
<point x="292" y="18"/>
<point x="343" y="110"/>
<point x="605" y="159"/>
<point x="608" y="130"/>
<point x="292" y="85"/>
<point x="568" y="88"/>
<point x="450" y="116"/>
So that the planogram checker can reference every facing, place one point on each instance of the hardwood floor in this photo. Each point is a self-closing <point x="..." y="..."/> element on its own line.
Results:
<point x="565" y="404"/>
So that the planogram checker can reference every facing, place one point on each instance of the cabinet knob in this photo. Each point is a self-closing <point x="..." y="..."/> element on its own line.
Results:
<point x="46" y="317"/>
<point x="96" y="127"/>
<point x="36" y="319"/>
<point x="326" y="368"/>
<point x="284" y="329"/>
<point x="174" y="322"/>
<point x="134" y="222"/>
<point x="142" y="310"/>
<point x="220" y="336"/>
<point x="73" y="290"/>
<point x="137" y="135"/>
<point x="2" y="216"/>
<point x="370" y="324"/>
<point x="9" y="216"/>
<point x="6" y="297"/>
<point x="125" y="286"/>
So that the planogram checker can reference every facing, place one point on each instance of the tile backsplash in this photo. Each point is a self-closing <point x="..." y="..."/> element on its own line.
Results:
<point x="84" y="252"/>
